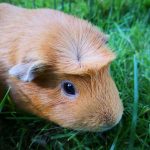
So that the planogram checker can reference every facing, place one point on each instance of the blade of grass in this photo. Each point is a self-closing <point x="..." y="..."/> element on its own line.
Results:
<point x="36" y="137"/>
<point x="33" y="3"/>
<point x="116" y="138"/>
<point x="19" y="146"/>
<point x="4" y="100"/>
<point x="135" y="106"/>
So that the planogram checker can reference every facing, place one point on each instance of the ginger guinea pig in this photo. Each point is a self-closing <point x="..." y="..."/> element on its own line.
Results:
<point x="58" y="68"/>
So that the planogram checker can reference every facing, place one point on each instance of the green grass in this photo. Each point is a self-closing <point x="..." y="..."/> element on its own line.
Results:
<point x="128" y="24"/>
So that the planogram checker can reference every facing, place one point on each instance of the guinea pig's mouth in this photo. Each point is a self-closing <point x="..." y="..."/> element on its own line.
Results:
<point x="105" y="128"/>
<point x="108" y="127"/>
<point x="99" y="128"/>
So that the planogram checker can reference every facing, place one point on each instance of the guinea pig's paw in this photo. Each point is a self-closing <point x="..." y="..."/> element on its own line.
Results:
<point x="27" y="71"/>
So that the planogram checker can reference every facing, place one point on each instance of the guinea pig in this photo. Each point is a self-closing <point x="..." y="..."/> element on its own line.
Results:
<point x="57" y="67"/>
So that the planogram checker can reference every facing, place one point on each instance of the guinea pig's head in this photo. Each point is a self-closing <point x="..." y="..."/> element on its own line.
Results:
<point x="70" y="83"/>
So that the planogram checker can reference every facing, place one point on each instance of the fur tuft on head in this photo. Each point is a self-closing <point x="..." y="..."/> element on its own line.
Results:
<point x="79" y="46"/>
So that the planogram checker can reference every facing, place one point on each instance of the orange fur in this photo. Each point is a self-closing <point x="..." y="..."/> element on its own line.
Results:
<point x="45" y="47"/>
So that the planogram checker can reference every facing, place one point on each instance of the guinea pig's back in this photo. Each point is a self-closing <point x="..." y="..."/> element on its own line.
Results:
<point x="9" y="13"/>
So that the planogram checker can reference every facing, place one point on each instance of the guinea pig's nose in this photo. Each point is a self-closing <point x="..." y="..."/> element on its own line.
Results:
<point x="108" y="118"/>
<point x="111" y="119"/>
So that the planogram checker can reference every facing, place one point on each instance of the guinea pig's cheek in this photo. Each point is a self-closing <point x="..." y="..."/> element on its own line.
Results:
<point x="63" y="114"/>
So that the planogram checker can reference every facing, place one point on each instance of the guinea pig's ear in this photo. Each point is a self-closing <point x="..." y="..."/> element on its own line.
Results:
<point x="106" y="57"/>
<point x="28" y="71"/>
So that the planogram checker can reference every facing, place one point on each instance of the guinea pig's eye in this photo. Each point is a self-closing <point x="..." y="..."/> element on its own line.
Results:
<point x="68" y="88"/>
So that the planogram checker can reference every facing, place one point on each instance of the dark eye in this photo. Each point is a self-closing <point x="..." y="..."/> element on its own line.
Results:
<point x="68" y="88"/>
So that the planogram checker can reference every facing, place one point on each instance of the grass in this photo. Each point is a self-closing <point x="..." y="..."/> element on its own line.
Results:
<point x="128" y="24"/>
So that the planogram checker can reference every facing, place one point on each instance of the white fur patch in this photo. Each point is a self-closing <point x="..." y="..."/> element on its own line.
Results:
<point x="23" y="72"/>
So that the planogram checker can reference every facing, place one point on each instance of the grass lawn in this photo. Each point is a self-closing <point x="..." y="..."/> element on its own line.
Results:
<point x="128" y="24"/>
